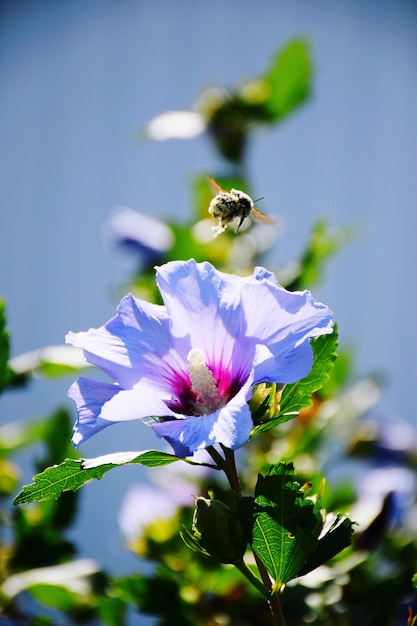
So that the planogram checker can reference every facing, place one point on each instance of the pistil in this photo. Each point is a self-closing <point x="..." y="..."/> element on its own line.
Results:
<point x="203" y="383"/>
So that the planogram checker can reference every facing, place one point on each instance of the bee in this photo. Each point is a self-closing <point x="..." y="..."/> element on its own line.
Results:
<point x="226" y="206"/>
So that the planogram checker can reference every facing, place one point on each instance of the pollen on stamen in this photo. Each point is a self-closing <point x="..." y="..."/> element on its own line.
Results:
<point x="203" y="383"/>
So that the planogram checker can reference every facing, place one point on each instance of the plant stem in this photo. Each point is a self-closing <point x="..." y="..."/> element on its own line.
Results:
<point x="230" y="470"/>
<point x="219" y="460"/>
<point x="276" y="610"/>
<point x="274" y="601"/>
<point x="228" y="465"/>
<point x="244" y="569"/>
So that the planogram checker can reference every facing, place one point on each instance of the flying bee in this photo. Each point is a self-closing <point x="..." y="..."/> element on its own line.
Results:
<point x="226" y="206"/>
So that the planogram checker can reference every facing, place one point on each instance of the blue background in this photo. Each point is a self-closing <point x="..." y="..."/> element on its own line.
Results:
<point x="78" y="77"/>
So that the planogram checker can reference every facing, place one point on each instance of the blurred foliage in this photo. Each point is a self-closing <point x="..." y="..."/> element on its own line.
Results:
<point x="319" y="426"/>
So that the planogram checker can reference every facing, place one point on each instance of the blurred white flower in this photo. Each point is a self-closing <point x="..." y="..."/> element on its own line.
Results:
<point x="175" y="125"/>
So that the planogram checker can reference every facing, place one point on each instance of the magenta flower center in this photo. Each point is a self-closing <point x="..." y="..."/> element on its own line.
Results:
<point x="204" y="388"/>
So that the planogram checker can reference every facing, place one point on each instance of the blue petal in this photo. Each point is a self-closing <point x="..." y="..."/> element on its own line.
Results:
<point x="282" y="320"/>
<point x="90" y="396"/>
<point x="287" y="368"/>
<point x="231" y="425"/>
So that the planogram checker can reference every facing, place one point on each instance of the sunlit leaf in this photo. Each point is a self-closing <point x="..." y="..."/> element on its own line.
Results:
<point x="283" y="532"/>
<point x="72" y="474"/>
<point x="336" y="536"/>
<point x="298" y="395"/>
<point x="288" y="79"/>
<point x="17" y="435"/>
<point x="51" y="361"/>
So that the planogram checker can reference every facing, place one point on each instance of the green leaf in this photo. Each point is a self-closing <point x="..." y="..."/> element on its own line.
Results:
<point x="17" y="435"/>
<point x="50" y="362"/>
<point x="72" y="474"/>
<point x="336" y="536"/>
<point x="324" y="242"/>
<point x="4" y="349"/>
<point x="57" y="439"/>
<point x="298" y="395"/>
<point x="288" y="79"/>
<point x="218" y="531"/>
<point x="56" y="596"/>
<point x="283" y="532"/>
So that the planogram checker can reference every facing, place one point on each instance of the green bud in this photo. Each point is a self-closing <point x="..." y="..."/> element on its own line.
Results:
<point x="218" y="531"/>
<point x="265" y="402"/>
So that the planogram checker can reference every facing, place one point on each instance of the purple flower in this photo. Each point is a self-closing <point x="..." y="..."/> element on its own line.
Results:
<point x="191" y="363"/>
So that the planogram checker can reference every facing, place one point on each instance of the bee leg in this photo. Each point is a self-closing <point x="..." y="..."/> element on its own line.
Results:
<point x="242" y="219"/>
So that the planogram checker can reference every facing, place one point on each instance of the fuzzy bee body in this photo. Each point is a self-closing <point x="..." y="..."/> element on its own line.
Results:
<point x="228" y="206"/>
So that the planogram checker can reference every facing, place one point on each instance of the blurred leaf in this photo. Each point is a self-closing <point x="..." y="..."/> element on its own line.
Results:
<point x="299" y="395"/>
<point x="112" y="611"/>
<point x="51" y="362"/>
<point x="5" y="371"/>
<point x="9" y="473"/>
<point x="17" y="435"/>
<point x="39" y="540"/>
<point x="288" y="79"/>
<point x="41" y="620"/>
<point x="324" y="243"/>
<point x="57" y="438"/>
<point x="146" y="594"/>
<point x="284" y="524"/>
<point x="55" y="596"/>
<point x="72" y="474"/>
<point x="67" y="578"/>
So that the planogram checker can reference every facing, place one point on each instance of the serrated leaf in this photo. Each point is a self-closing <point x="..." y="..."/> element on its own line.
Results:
<point x="288" y="79"/>
<point x="336" y="536"/>
<point x="282" y="534"/>
<point x="73" y="473"/>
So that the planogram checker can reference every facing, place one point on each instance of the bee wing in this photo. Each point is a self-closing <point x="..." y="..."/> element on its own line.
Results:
<point x="261" y="217"/>
<point x="214" y="186"/>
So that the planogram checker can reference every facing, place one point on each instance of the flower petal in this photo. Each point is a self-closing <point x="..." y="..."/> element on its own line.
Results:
<point x="280" y="319"/>
<point x="90" y="396"/>
<point x="287" y="368"/>
<point x="136" y="343"/>
<point x="206" y="313"/>
<point x="137" y="403"/>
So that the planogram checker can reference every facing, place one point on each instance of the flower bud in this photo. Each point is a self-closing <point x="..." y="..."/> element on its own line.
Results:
<point x="218" y="531"/>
